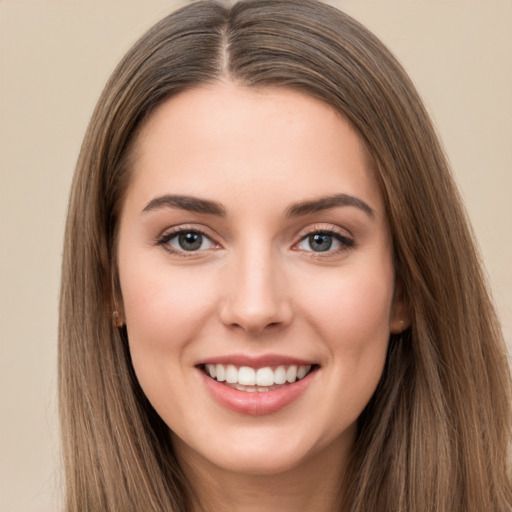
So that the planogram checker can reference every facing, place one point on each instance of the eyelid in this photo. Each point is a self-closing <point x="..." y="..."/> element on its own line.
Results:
<point x="323" y="227"/>
<point x="169" y="233"/>
<point x="347" y="240"/>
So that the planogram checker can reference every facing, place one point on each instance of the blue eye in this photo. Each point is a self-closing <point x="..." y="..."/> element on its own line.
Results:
<point x="320" y="242"/>
<point x="325" y="241"/>
<point x="186" y="241"/>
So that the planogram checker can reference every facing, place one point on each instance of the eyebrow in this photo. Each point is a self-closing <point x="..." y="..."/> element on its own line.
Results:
<point x="189" y="203"/>
<point x="328" y="202"/>
<point x="206" y="206"/>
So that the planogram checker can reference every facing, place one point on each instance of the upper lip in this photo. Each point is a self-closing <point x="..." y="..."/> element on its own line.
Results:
<point x="260" y="361"/>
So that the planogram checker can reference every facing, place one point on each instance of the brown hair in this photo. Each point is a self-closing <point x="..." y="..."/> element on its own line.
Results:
<point x="435" y="434"/>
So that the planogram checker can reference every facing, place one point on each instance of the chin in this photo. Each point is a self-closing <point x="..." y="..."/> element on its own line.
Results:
<point x="264" y="452"/>
<point x="258" y="463"/>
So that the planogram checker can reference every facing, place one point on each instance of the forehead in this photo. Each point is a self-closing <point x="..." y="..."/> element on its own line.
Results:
<point x="228" y="138"/>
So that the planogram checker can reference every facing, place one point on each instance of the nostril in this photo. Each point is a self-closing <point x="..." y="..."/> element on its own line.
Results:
<point x="255" y="313"/>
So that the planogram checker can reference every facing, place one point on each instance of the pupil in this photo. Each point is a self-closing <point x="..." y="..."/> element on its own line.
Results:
<point x="320" y="242"/>
<point x="190" y="241"/>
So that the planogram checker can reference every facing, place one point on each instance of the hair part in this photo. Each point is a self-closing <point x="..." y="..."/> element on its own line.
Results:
<point x="436" y="433"/>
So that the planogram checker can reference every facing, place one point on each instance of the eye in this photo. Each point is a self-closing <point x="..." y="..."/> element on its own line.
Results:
<point x="325" y="241"/>
<point x="186" y="240"/>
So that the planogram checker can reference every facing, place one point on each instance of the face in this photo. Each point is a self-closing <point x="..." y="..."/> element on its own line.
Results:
<point x="256" y="274"/>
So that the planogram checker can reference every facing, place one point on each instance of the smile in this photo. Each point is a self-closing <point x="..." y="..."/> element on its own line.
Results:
<point x="246" y="378"/>
<point x="257" y="386"/>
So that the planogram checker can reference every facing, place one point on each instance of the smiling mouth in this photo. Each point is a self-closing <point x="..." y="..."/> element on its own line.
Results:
<point x="248" y="379"/>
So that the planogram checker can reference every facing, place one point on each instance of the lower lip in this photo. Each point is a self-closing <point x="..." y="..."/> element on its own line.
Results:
<point x="256" y="403"/>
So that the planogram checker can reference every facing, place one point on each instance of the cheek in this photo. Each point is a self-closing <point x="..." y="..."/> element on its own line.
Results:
<point x="356" y="329"/>
<point x="163" y="306"/>
<point x="351" y="315"/>
<point x="164" y="310"/>
<point x="354" y="309"/>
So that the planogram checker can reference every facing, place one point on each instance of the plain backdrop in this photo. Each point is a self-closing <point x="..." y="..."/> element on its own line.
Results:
<point x="55" y="57"/>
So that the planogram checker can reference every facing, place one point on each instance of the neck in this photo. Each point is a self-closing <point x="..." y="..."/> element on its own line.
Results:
<point x="314" y="484"/>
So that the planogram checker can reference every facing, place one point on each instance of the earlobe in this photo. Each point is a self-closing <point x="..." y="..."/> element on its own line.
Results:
<point x="118" y="318"/>
<point x="399" y="319"/>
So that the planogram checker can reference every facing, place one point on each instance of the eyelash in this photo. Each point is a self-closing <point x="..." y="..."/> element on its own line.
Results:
<point x="164" y="240"/>
<point x="345" y="241"/>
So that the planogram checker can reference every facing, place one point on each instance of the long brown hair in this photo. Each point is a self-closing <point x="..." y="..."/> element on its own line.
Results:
<point x="435" y="434"/>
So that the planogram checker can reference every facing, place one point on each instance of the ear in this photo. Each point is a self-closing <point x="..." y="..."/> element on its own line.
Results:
<point x="399" y="319"/>
<point x="118" y="317"/>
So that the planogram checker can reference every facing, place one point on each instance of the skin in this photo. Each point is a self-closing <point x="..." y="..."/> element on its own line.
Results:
<point x="257" y="287"/>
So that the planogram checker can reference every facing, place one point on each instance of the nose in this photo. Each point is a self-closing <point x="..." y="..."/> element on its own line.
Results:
<point x="256" y="297"/>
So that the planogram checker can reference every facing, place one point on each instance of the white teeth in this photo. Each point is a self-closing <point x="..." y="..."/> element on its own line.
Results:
<point x="210" y="368"/>
<point x="231" y="374"/>
<point x="291" y="374"/>
<point x="265" y="377"/>
<point x="261" y="379"/>
<point x="251" y="389"/>
<point x="280" y="375"/>
<point x="220" y="372"/>
<point x="246" y="376"/>
<point x="303" y="370"/>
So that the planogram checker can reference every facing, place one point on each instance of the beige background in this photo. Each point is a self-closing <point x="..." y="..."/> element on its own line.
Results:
<point x="55" y="57"/>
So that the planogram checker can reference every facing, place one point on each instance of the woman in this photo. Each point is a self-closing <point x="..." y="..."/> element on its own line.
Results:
<point x="271" y="298"/>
